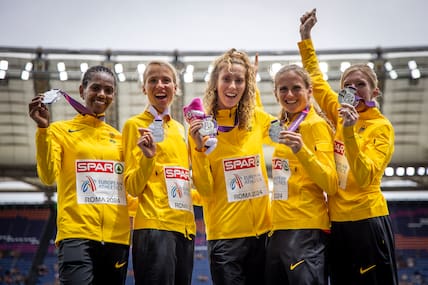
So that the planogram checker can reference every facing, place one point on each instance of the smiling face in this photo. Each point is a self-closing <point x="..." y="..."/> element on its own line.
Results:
<point x="291" y="91"/>
<point x="230" y="85"/>
<point x="159" y="86"/>
<point x="98" y="92"/>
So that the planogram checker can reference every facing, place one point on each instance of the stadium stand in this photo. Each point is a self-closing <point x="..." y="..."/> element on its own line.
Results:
<point x="22" y="226"/>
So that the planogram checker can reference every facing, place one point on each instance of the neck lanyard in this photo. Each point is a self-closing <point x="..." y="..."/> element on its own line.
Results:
<point x="156" y="115"/>
<point x="296" y="123"/>
<point x="226" y="129"/>
<point x="53" y="95"/>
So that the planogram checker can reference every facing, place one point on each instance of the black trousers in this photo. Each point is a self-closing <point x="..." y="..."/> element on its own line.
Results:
<point x="162" y="257"/>
<point x="297" y="257"/>
<point x="88" y="262"/>
<point x="237" y="261"/>
<point x="362" y="252"/>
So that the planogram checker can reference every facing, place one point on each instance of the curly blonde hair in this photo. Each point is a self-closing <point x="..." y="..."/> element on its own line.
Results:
<point x="246" y="105"/>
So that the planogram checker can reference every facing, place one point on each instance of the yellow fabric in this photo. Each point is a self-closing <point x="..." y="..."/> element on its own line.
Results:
<point x="132" y="205"/>
<point x="369" y="146"/>
<point x="58" y="148"/>
<point x="144" y="177"/>
<point x="224" y="220"/>
<point x="312" y="172"/>
<point x="196" y="198"/>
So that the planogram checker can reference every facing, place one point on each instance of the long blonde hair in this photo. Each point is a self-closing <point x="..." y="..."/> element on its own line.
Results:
<point x="247" y="103"/>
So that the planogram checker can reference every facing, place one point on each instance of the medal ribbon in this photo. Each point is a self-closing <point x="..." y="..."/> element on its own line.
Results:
<point x="156" y="115"/>
<point x="78" y="106"/>
<point x="352" y="90"/>
<point x="296" y="123"/>
<point x="226" y="129"/>
<point x="369" y="104"/>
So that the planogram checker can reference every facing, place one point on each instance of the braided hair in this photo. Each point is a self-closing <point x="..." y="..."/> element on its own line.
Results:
<point x="89" y="74"/>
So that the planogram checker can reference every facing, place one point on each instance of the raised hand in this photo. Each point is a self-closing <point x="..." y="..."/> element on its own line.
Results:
<point x="256" y="63"/>
<point x="307" y="22"/>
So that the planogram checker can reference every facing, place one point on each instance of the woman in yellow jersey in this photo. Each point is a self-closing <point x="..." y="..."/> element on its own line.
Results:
<point x="362" y="242"/>
<point x="232" y="179"/>
<point x="84" y="157"/>
<point x="157" y="172"/>
<point x="303" y="171"/>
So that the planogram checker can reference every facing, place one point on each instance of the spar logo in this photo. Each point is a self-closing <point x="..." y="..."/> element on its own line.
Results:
<point x="280" y="164"/>
<point x="89" y="185"/>
<point x="339" y="147"/>
<point x="241" y="163"/>
<point x="177" y="173"/>
<point x="99" y="166"/>
<point x="175" y="176"/>
<point x="236" y="182"/>
<point x="176" y="190"/>
<point x="118" y="168"/>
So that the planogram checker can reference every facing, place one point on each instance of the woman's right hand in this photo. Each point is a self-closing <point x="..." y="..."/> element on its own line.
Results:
<point x="195" y="126"/>
<point x="307" y="22"/>
<point x="39" y="112"/>
<point x="349" y="114"/>
<point x="146" y="142"/>
<point x="291" y="139"/>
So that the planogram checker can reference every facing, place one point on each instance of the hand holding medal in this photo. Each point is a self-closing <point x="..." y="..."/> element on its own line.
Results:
<point x="349" y="115"/>
<point x="208" y="131"/>
<point x="146" y="142"/>
<point x="39" y="112"/>
<point x="291" y="139"/>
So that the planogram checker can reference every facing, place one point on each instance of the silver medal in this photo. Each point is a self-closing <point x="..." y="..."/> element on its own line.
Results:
<point x="51" y="96"/>
<point x="274" y="130"/>
<point x="209" y="127"/>
<point x="347" y="95"/>
<point x="157" y="130"/>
